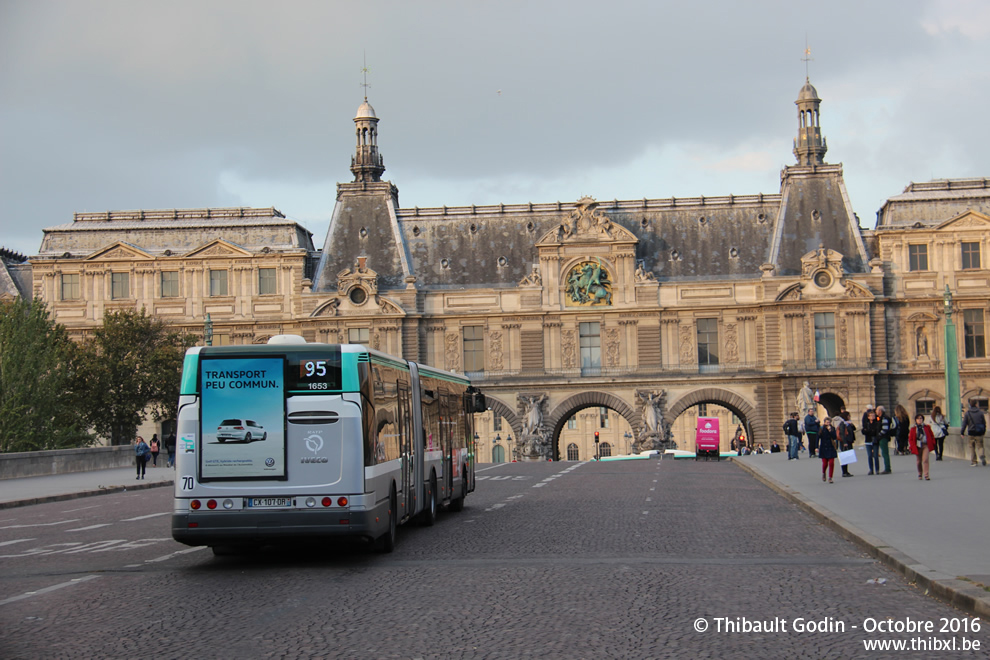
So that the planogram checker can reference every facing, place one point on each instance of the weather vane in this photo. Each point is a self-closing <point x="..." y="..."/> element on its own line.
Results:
<point x="364" y="70"/>
<point x="807" y="58"/>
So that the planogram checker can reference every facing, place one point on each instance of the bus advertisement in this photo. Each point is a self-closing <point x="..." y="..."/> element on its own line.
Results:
<point x="294" y="440"/>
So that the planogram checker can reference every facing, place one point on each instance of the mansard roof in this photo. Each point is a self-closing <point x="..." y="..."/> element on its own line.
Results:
<point x="934" y="202"/>
<point x="176" y="231"/>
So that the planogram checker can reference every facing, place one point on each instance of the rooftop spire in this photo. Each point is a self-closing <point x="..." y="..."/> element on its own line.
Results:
<point x="367" y="164"/>
<point x="809" y="145"/>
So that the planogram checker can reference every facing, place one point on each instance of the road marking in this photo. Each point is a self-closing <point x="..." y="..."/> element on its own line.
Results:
<point x="649" y="499"/>
<point x="95" y="506"/>
<point x="14" y="541"/>
<point x="150" y="515"/>
<point x="174" y="554"/>
<point x="495" y="506"/>
<point x="60" y="522"/>
<point x="83" y="529"/>
<point x="46" y="590"/>
<point x="539" y="485"/>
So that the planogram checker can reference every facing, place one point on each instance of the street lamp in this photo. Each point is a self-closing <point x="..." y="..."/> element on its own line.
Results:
<point x="951" y="364"/>
<point x="208" y="330"/>
<point x="498" y="438"/>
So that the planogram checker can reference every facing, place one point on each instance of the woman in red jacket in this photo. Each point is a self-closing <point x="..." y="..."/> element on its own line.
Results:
<point x="922" y="443"/>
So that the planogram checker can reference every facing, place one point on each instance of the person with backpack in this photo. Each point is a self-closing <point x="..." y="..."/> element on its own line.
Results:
<point x="793" y="436"/>
<point x="940" y="429"/>
<point x="922" y="442"/>
<point x="155" y="448"/>
<point x="888" y="429"/>
<point x="975" y="425"/>
<point x="141" y="454"/>
<point x="811" y="429"/>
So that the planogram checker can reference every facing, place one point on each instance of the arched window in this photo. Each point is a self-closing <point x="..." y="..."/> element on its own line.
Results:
<point x="572" y="452"/>
<point x="498" y="454"/>
<point x="604" y="449"/>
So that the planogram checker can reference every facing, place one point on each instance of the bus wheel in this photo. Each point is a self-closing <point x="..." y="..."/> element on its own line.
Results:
<point x="458" y="504"/>
<point x="429" y="515"/>
<point x="388" y="538"/>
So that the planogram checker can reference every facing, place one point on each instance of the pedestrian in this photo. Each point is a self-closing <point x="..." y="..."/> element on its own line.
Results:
<point x="155" y="447"/>
<point x="141" y="454"/>
<point x="922" y="442"/>
<point x="811" y="428"/>
<point x="975" y="425"/>
<point x="170" y="448"/>
<point x="888" y="429"/>
<point x="846" y="431"/>
<point x="940" y="428"/>
<point x="793" y="436"/>
<point x="774" y="447"/>
<point x="871" y="435"/>
<point x="827" y="448"/>
<point x="903" y="428"/>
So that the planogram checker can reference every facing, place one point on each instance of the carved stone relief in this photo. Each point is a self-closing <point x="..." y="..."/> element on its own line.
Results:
<point x="687" y="346"/>
<point x="731" y="343"/>
<point x="612" y="347"/>
<point x="452" y="356"/>
<point x="496" y="355"/>
<point x="569" y="349"/>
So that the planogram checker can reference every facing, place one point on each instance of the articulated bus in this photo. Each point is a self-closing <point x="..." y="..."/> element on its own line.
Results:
<point x="295" y="440"/>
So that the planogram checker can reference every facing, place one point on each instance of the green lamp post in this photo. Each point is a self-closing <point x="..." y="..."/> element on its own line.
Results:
<point x="952" y="409"/>
<point x="208" y="331"/>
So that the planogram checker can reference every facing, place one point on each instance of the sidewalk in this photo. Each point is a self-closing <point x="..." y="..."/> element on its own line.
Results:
<point x="56" y="487"/>
<point x="933" y="532"/>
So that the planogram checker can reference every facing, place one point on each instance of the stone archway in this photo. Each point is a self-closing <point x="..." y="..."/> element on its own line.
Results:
<point x="755" y="427"/>
<point x="562" y="411"/>
<point x="501" y="409"/>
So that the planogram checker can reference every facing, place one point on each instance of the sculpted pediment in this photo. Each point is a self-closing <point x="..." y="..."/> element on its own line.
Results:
<point x="219" y="248"/>
<point x="967" y="220"/>
<point x="119" y="251"/>
<point x="587" y="223"/>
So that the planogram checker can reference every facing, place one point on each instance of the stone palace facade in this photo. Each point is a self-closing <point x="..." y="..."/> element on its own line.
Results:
<point x="616" y="316"/>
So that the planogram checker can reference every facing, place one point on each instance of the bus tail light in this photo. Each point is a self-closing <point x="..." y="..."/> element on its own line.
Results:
<point x="194" y="505"/>
<point x="327" y="501"/>
<point x="342" y="501"/>
<point x="211" y="504"/>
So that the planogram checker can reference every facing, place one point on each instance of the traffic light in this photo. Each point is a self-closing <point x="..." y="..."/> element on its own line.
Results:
<point x="596" y="437"/>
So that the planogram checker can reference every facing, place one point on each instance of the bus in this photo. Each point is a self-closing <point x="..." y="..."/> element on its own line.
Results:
<point x="293" y="440"/>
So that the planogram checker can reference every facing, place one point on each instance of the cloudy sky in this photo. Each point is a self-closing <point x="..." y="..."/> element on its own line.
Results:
<point x="111" y="105"/>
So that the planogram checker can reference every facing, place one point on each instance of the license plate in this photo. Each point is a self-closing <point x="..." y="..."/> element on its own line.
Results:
<point x="269" y="502"/>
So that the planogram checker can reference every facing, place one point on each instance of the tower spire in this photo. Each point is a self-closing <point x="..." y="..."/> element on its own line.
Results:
<point x="367" y="164"/>
<point x="809" y="145"/>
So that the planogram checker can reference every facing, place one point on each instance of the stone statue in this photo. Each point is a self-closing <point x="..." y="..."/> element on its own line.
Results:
<point x="651" y="413"/>
<point x="805" y="398"/>
<point x="643" y="275"/>
<point x="534" y="413"/>
<point x="922" y="342"/>
<point x="534" y="278"/>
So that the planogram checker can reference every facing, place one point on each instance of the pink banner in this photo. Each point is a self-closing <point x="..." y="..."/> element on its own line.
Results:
<point x="706" y="437"/>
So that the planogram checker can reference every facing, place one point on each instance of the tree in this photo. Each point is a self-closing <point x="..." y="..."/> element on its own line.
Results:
<point x="38" y="365"/>
<point x="132" y="365"/>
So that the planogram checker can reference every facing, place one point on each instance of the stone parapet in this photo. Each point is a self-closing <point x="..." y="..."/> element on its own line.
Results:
<point x="64" y="461"/>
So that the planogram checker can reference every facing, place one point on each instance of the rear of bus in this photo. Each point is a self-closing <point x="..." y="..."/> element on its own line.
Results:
<point x="302" y="477"/>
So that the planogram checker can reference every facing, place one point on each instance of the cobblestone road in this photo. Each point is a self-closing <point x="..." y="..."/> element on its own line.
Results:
<point x="559" y="560"/>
